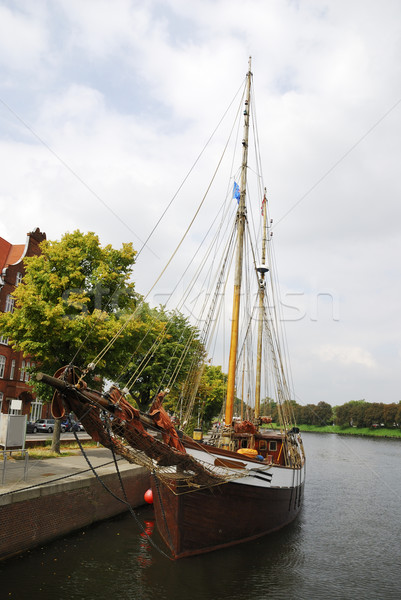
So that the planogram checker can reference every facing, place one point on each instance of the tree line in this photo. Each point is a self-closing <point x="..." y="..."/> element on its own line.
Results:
<point x="355" y="413"/>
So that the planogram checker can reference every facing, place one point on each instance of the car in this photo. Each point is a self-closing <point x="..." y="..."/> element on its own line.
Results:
<point x="31" y="427"/>
<point x="77" y="426"/>
<point x="44" y="425"/>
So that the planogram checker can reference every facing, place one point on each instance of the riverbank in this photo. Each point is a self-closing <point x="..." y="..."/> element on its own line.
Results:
<point x="379" y="432"/>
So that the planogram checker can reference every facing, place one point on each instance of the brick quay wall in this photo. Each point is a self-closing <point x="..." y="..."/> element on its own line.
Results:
<point x="33" y="516"/>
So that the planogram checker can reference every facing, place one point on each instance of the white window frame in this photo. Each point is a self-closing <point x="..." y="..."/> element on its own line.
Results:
<point x="27" y="374"/>
<point x="22" y="372"/>
<point x="36" y="410"/>
<point x="18" y="279"/>
<point x="10" y="301"/>
<point x="12" y="370"/>
<point x="4" y="340"/>
<point x="2" y="366"/>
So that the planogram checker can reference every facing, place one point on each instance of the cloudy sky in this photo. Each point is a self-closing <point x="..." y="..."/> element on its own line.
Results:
<point x="104" y="106"/>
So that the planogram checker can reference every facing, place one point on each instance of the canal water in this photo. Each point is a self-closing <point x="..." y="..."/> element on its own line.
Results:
<point x="346" y="544"/>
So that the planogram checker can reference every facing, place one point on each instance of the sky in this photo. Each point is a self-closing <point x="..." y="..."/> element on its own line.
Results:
<point x="105" y="106"/>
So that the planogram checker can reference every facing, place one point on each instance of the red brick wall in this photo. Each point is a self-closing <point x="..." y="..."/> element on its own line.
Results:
<point x="31" y="518"/>
<point x="13" y="388"/>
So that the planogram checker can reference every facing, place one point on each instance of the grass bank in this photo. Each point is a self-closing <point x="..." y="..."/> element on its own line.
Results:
<point x="380" y="432"/>
<point x="67" y="449"/>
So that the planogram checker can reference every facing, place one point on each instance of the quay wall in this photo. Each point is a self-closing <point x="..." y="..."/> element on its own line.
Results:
<point x="32" y="517"/>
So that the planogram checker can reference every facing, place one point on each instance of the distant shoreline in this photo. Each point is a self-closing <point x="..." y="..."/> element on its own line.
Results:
<point x="379" y="432"/>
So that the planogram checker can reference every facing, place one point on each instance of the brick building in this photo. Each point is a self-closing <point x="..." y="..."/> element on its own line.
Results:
<point x="13" y="365"/>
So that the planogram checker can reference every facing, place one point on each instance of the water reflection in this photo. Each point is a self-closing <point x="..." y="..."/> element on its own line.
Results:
<point x="145" y="557"/>
<point x="344" y="544"/>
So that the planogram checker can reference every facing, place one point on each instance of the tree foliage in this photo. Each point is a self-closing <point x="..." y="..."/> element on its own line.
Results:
<point x="74" y="298"/>
<point x="164" y="360"/>
<point x="211" y="393"/>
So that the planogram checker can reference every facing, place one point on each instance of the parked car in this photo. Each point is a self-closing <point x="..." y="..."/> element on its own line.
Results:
<point x="31" y="427"/>
<point x="44" y="425"/>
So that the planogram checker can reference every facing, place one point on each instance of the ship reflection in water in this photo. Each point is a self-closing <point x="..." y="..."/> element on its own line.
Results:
<point x="332" y="550"/>
<point x="144" y="556"/>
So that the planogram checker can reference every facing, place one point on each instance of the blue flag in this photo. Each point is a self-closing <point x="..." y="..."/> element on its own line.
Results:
<point x="236" y="192"/>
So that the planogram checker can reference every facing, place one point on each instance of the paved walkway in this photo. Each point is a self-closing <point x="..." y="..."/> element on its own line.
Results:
<point x="45" y="471"/>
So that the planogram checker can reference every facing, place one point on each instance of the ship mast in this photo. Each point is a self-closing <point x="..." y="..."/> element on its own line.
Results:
<point x="241" y="217"/>
<point x="262" y="270"/>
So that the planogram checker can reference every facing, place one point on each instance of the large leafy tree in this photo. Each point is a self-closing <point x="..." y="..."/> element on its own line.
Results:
<point x="170" y="355"/>
<point x="211" y="394"/>
<point x="75" y="297"/>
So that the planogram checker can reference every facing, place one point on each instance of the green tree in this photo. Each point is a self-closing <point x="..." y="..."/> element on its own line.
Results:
<point x="373" y="413"/>
<point x="211" y="393"/>
<point x="75" y="297"/>
<point x="165" y="359"/>
<point x="324" y="413"/>
<point x="268" y="407"/>
<point x="398" y="415"/>
<point x="390" y="414"/>
<point x="351" y="413"/>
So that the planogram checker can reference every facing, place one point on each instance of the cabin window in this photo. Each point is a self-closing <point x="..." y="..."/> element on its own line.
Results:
<point x="263" y="445"/>
<point x="244" y="443"/>
<point x="272" y="446"/>
<point x="2" y="366"/>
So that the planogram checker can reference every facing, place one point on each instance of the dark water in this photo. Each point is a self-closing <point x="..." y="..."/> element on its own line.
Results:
<point x="345" y="544"/>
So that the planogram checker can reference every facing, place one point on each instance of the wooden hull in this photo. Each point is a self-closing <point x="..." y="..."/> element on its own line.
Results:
<point x="209" y="519"/>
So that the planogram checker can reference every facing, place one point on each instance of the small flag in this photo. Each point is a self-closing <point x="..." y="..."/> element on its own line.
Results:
<point x="236" y="192"/>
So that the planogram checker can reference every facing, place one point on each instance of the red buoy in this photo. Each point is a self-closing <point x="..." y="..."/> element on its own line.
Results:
<point x="148" y="496"/>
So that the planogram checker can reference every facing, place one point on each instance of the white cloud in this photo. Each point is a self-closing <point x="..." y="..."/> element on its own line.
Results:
<point x="346" y="355"/>
<point x="23" y="40"/>
<point x="119" y="99"/>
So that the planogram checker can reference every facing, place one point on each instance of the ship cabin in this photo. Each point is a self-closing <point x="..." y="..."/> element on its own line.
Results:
<point x="266" y="444"/>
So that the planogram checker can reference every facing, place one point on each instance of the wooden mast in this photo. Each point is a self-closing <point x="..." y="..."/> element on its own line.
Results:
<point x="241" y="216"/>
<point x="262" y="270"/>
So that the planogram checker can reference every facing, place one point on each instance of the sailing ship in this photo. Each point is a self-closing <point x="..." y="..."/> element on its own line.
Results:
<point x="247" y="480"/>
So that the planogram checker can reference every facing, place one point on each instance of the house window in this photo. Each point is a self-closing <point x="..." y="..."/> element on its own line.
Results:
<point x="27" y="374"/>
<point x="4" y="340"/>
<point x="1" y="401"/>
<point x="18" y="279"/>
<point x="272" y="446"/>
<point x="12" y="370"/>
<point x="9" y="304"/>
<point x="22" y="373"/>
<point x="2" y="366"/>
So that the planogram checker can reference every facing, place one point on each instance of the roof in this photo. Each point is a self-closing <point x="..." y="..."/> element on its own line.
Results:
<point x="10" y="253"/>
